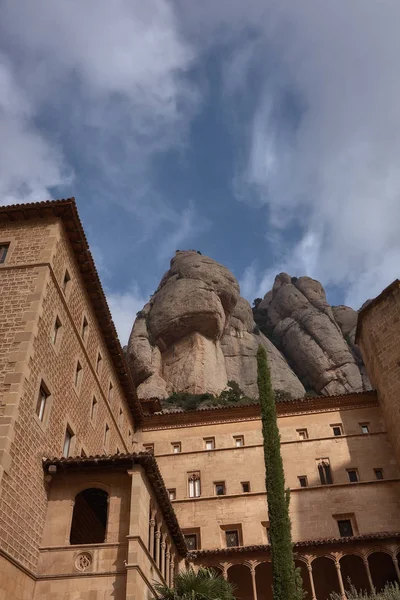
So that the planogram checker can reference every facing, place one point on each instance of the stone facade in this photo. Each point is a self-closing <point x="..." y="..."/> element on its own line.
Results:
<point x="341" y="453"/>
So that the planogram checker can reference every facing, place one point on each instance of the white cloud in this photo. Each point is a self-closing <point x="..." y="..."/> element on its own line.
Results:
<point x="123" y="307"/>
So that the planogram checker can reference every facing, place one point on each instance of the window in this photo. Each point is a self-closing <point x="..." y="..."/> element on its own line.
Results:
<point x="98" y="364"/>
<point x="106" y="436"/>
<point x="245" y="487"/>
<point x="378" y="473"/>
<point x="194" y="485"/>
<point x="66" y="282"/>
<point x="337" y="430"/>
<point x="41" y="403"/>
<point x="121" y="418"/>
<point x="364" y="427"/>
<point x="352" y="475"/>
<point x="67" y="441"/>
<point x="78" y="374"/>
<point x="210" y="443"/>
<point x="303" y="481"/>
<point x="93" y="411"/>
<point x="110" y="392"/>
<point x="176" y="447"/>
<point x="3" y="252"/>
<point x="85" y="328"/>
<point x="149" y="448"/>
<point x="172" y="494"/>
<point x="89" y="517"/>
<point x="83" y="453"/>
<point x="345" y="527"/>
<point x="56" y="330"/>
<point x="118" y="451"/>
<point x="239" y="441"/>
<point x="220" y="488"/>
<point x="324" y="471"/>
<point x="303" y="434"/>
<point x="191" y="541"/>
<point x="232" y="538"/>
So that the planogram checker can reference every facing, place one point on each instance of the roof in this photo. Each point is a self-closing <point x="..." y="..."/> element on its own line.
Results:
<point x="253" y="410"/>
<point x="372" y="303"/>
<point x="66" y="210"/>
<point x="126" y="461"/>
<point x="198" y="554"/>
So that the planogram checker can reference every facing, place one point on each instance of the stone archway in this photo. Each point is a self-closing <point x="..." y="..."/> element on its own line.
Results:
<point x="325" y="577"/>
<point x="353" y="568"/>
<point x="264" y="581"/>
<point x="382" y="569"/>
<point x="305" y="577"/>
<point x="240" y="576"/>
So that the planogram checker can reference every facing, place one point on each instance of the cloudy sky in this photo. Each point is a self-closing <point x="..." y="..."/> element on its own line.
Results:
<point x="264" y="133"/>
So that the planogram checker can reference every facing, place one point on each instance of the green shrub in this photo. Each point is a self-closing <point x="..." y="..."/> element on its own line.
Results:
<point x="390" y="592"/>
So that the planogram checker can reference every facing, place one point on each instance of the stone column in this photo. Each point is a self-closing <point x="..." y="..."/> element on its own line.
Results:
<point x="366" y="565"/>
<point x="171" y="572"/>
<point x="310" y="574"/>
<point x="396" y="566"/>
<point x="163" y="547"/>
<point x="168" y="570"/>
<point x="339" y="574"/>
<point x="253" y="581"/>
<point x="158" y="541"/>
<point x="151" y="540"/>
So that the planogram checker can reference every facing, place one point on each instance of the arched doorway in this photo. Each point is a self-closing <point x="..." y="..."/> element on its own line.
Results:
<point x="325" y="577"/>
<point x="353" y="569"/>
<point x="89" y="517"/>
<point x="382" y="569"/>
<point x="305" y="577"/>
<point x="240" y="576"/>
<point x="264" y="581"/>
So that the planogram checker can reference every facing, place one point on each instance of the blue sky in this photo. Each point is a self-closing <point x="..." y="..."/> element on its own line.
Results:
<point x="264" y="134"/>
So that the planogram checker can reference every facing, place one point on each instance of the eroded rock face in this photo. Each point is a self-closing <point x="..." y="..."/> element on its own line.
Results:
<point x="317" y="339"/>
<point x="196" y="333"/>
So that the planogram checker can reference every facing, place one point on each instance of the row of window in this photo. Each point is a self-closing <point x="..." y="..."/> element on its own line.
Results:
<point x="238" y="440"/>
<point x="324" y="472"/>
<point x="232" y="534"/>
<point x="42" y="407"/>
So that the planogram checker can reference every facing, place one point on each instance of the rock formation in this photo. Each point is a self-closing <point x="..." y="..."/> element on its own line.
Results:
<point x="318" y="340"/>
<point x="197" y="333"/>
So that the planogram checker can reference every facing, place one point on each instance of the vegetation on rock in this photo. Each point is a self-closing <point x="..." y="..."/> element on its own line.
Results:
<point x="233" y="395"/>
<point x="206" y="584"/>
<point x="286" y="582"/>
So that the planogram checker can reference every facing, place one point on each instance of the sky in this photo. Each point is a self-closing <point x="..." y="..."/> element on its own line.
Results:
<point x="265" y="134"/>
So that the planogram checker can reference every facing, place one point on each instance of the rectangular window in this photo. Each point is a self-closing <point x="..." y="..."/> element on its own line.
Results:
<point x="172" y="494"/>
<point x="106" y="436"/>
<point x="352" y="475"/>
<point x="3" y="252"/>
<point x="191" y="541"/>
<point x="56" y="330"/>
<point x="239" y="441"/>
<point x="41" y="403"/>
<point x="302" y="433"/>
<point x="121" y="418"/>
<point x="209" y="443"/>
<point x="337" y="429"/>
<point x="98" y="363"/>
<point x="303" y="481"/>
<point x="66" y="282"/>
<point x="94" y="409"/>
<point x="149" y="448"/>
<point x="378" y="473"/>
<point x="194" y="485"/>
<point x="364" y="427"/>
<point x="67" y="442"/>
<point x="345" y="528"/>
<point x="232" y="538"/>
<point x="78" y="374"/>
<point x="245" y="487"/>
<point x="176" y="447"/>
<point x="85" y="328"/>
<point x="110" y="392"/>
<point x="324" y="471"/>
<point x="220" y="488"/>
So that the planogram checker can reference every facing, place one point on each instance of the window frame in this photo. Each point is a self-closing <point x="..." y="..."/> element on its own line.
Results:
<point x="304" y="478"/>
<point x="379" y="470"/>
<point x="106" y="441"/>
<point x="66" y="283"/>
<point x="222" y="486"/>
<point x="239" y="438"/>
<point x="341" y="522"/>
<point x="93" y="409"/>
<point x="68" y="441"/>
<point x="110" y="392"/>
<point x="85" y="328"/>
<point x="366" y="425"/>
<point x="353" y="470"/>
<point x="4" y="250"/>
<point x="324" y="467"/>
<point x="177" y="445"/>
<point x="243" y="483"/>
<point x="99" y="362"/>
<point x="172" y="492"/>
<point x="55" y="337"/>
<point x="338" y="426"/>
<point x="301" y="431"/>
<point x="78" y="376"/>
<point x="230" y="532"/>
<point x="194" y="484"/>
<point x="149" y="448"/>
<point x="209" y="440"/>
<point x="41" y="409"/>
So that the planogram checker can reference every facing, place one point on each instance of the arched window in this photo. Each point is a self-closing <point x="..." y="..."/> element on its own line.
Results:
<point x="89" y="519"/>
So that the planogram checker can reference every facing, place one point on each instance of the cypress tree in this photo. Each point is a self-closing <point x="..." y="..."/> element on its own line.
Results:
<point x="284" y="580"/>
